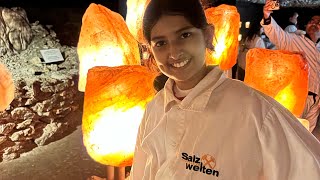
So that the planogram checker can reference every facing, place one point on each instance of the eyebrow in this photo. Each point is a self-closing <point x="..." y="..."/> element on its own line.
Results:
<point x="176" y="32"/>
<point x="315" y="19"/>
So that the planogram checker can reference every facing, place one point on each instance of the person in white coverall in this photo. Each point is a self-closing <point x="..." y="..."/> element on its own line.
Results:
<point x="204" y="126"/>
<point x="292" y="24"/>
<point x="309" y="45"/>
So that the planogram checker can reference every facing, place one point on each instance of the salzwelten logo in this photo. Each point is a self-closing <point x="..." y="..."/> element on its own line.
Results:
<point x="205" y="164"/>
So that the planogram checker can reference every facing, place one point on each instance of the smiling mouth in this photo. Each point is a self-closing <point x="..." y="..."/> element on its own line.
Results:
<point x="313" y="28"/>
<point x="180" y="64"/>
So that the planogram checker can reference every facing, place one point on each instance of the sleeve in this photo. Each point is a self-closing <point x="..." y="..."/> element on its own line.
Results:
<point x="289" y="151"/>
<point x="140" y="157"/>
<point x="259" y="43"/>
<point x="283" y="40"/>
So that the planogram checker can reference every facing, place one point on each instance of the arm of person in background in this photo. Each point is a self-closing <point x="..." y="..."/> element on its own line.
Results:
<point x="283" y="40"/>
<point x="289" y="150"/>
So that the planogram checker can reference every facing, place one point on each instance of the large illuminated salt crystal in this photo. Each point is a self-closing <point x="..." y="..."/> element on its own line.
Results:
<point x="280" y="74"/>
<point x="226" y="21"/>
<point x="6" y="88"/>
<point x="114" y="103"/>
<point x="104" y="40"/>
<point x="134" y="17"/>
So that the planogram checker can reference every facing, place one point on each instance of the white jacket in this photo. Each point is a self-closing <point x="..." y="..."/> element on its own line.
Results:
<point x="222" y="130"/>
<point x="293" y="42"/>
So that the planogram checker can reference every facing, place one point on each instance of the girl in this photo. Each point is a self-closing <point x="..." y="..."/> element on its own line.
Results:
<point x="202" y="125"/>
<point x="251" y="40"/>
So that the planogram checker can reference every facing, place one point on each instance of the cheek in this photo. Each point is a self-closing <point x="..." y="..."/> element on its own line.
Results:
<point x="195" y="44"/>
<point x="307" y="27"/>
<point x="199" y="49"/>
<point x="159" y="56"/>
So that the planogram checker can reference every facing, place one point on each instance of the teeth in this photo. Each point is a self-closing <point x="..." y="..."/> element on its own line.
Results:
<point x="181" y="64"/>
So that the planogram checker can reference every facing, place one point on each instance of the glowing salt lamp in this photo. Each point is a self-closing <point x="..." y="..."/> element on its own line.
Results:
<point x="280" y="74"/>
<point x="226" y="20"/>
<point x="134" y="17"/>
<point x="114" y="104"/>
<point x="104" y="40"/>
<point x="6" y="88"/>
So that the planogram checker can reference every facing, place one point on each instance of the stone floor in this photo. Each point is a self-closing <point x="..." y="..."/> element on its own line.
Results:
<point x="65" y="159"/>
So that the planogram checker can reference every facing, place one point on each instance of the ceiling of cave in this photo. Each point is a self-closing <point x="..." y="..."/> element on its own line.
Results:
<point x="284" y="3"/>
<point x="290" y="3"/>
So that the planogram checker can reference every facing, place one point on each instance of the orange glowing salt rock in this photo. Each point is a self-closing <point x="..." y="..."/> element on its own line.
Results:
<point x="280" y="74"/>
<point x="104" y="40"/>
<point x="6" y="88"/>
<point x="226" y="21"/>
<point x="134" y="17"/>
<point x="114" y="103"/>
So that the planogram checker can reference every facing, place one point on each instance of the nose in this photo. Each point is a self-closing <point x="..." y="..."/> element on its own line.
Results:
<point x="175" y="52"/>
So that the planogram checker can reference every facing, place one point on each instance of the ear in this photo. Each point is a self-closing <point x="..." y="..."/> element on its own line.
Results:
<point x="208" y="36"/>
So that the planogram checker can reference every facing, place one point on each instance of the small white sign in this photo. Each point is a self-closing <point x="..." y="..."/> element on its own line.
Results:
<point x="51" y="55"/>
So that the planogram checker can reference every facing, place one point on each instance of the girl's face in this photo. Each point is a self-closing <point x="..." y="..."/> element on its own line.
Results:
<point x="179" y="50"/>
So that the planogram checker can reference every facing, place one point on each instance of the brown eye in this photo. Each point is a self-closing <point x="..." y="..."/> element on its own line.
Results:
<point x="185" y="35"/>
<point x="160" y="43"/>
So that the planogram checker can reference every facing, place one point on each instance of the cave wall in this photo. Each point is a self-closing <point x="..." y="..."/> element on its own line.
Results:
<point x="46" y="94"/>
<point x="64" y="16"/>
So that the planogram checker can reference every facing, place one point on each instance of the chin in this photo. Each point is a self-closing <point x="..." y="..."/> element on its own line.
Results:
<point x="180" y="78"/>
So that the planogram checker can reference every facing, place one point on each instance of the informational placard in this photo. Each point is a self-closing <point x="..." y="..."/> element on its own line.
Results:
<point x="51" y="55"/>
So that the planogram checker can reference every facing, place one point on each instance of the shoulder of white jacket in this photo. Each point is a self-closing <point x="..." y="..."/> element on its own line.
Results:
<point x="158" y="97"/>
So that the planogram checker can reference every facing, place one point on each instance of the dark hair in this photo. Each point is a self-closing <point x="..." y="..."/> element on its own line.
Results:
<point x="292" y="13"/>
<point x="253" y="31"/>
<point x="191" y="9"/>
<point x="159" y="82"/>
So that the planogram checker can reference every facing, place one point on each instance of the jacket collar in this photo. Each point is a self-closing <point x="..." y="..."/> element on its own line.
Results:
<point x="199" y="96"/>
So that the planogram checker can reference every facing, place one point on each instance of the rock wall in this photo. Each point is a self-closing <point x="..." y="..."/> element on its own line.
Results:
<point x="15" y="32"/>
<point x="45" y="94"/>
